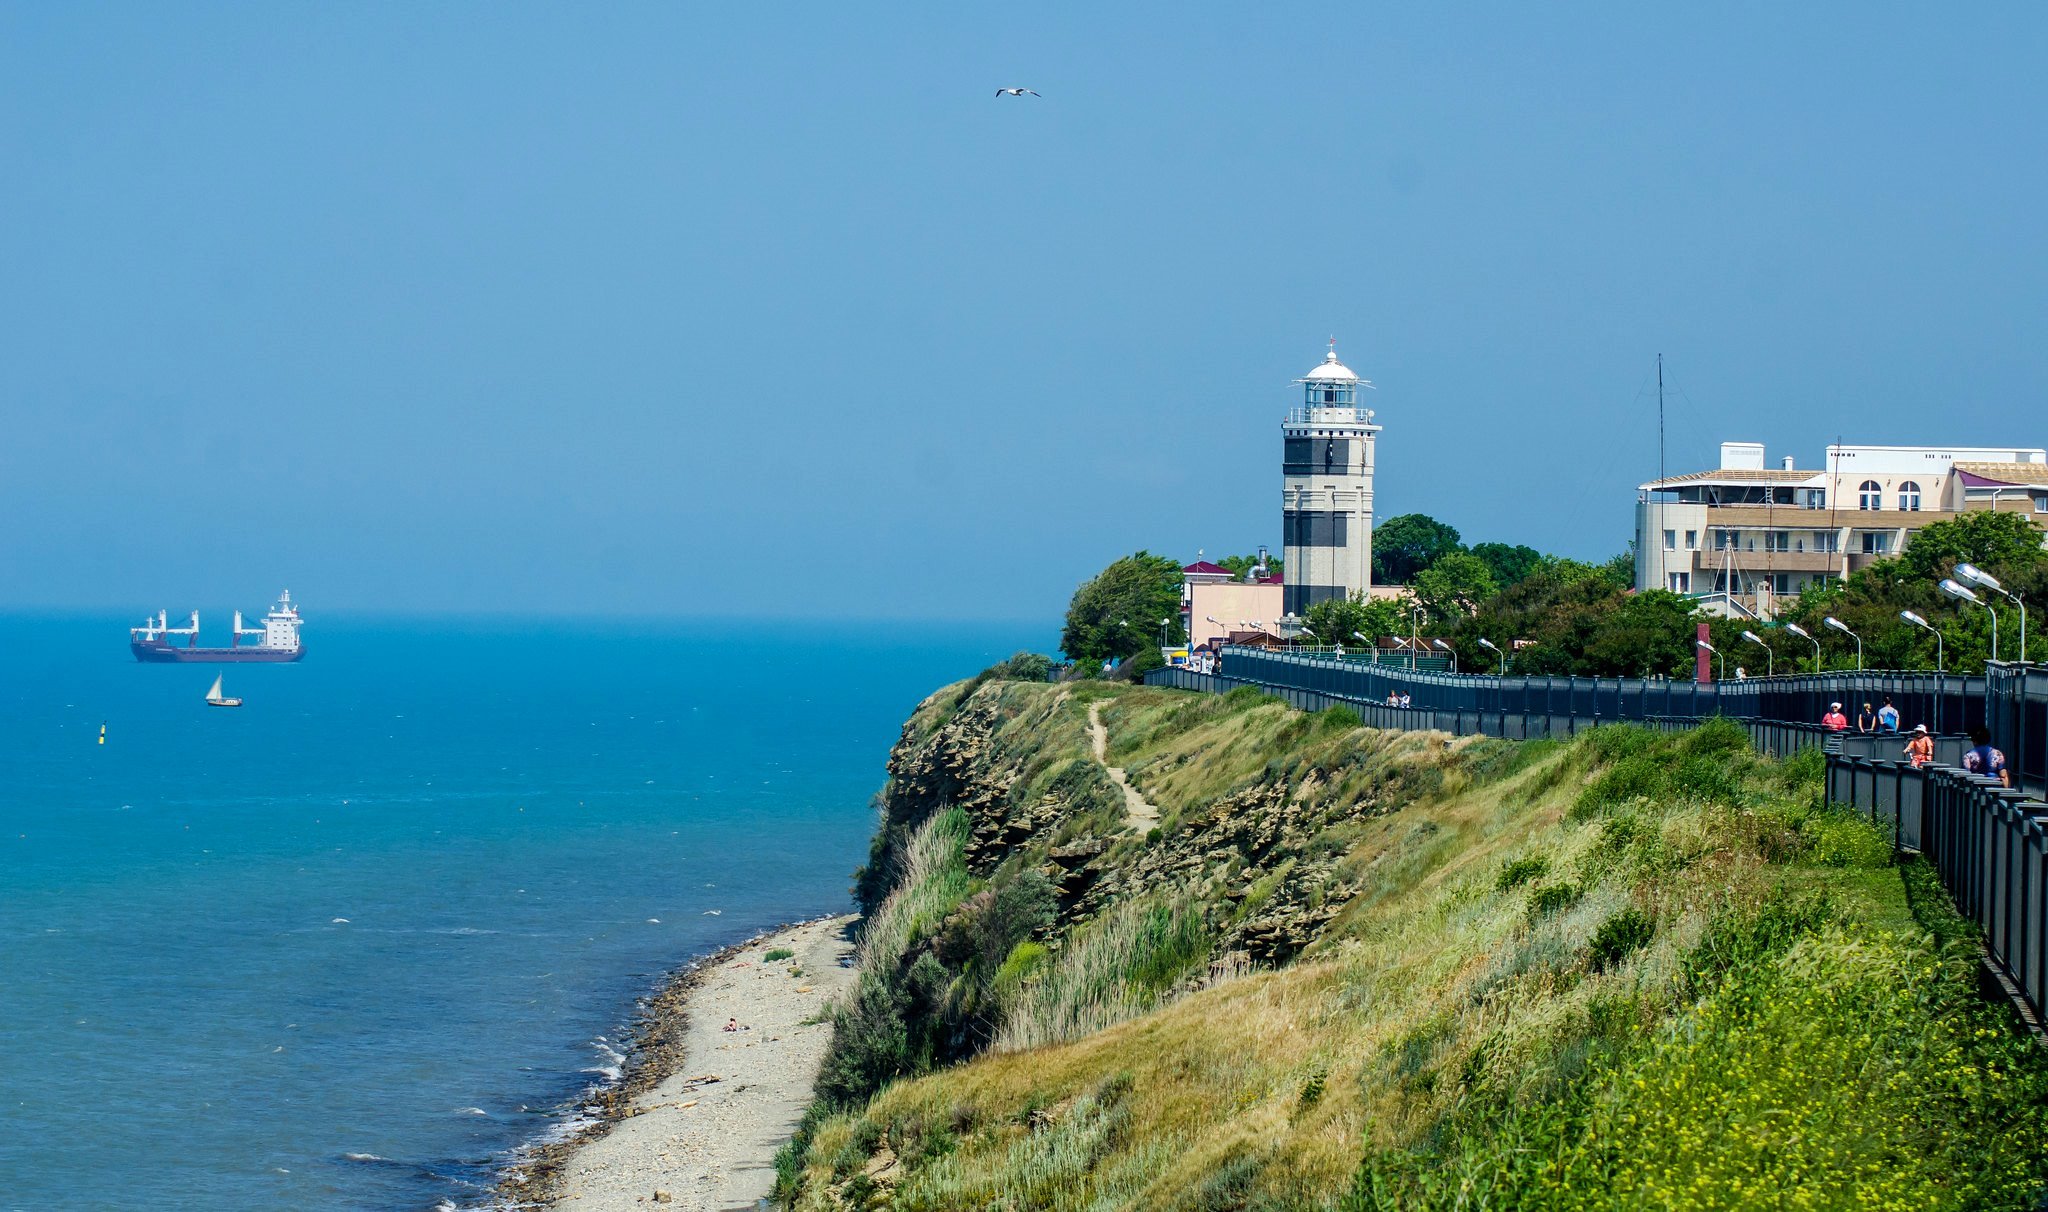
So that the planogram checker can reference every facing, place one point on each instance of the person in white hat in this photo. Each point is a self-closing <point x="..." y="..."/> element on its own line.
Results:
<point x="1920" y="750"/>
<point x="1834" y="720"/>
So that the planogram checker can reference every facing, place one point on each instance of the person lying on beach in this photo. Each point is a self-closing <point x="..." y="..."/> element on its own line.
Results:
<point x="732" y="1024"/>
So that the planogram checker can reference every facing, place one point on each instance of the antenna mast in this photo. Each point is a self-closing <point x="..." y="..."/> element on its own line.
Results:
<point x="1660" y="419"/>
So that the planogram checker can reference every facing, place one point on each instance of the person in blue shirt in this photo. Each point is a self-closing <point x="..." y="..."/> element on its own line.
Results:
<point x="1888" y="716"/>
<point x="1986" y="760"/>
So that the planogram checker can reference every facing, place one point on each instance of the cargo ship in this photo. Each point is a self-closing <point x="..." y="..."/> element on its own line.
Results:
<point x="277" y="640"/>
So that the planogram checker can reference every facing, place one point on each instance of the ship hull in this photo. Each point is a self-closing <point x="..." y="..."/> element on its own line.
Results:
<point x="160" y="653"/>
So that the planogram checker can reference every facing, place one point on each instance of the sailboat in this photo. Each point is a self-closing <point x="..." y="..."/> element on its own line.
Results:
<point x="214" y="699"/>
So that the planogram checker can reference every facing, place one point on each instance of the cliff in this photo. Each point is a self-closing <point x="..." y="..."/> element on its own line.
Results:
<point x="1308" y="965"/>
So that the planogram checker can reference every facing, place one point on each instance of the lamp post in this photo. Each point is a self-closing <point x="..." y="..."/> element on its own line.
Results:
<point x="1770" y="657"/>
<point x="1162" y="631"/>
<point x="1803" y="634"/>
<point x="1977" y="576"/>
<point x="1940" y="659"/>
<point x="1842" y="627"/>
<point x="1488" y="644"/>
<point x="1447" y="648"/>
<point x="1962" y="594"/>
<point x="1720" y="662"/>
<point x="1940" y="663"/>
<point x="1414" y="634"/>
<point x="1308" y="630"/>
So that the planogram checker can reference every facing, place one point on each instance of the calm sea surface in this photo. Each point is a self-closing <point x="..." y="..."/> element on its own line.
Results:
<point x="345" y="946"/>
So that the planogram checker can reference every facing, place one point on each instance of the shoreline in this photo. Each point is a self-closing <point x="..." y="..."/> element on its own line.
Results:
<point x="618" y="1145"/>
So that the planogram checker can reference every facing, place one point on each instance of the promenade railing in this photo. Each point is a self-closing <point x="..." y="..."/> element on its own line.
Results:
<point x="1987" y="843"/>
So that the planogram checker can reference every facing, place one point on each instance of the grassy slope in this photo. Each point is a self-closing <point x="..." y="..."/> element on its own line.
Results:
<point x="1635" y="971"/>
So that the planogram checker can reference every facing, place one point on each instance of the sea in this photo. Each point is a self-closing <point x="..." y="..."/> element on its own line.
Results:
<point x="352" y="944"/>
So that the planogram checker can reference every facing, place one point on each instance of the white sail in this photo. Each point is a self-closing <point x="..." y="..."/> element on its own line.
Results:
<point x="213" y="695"/>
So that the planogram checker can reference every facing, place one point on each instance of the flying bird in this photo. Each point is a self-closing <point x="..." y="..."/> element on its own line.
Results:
<point x="1016" y="92"/>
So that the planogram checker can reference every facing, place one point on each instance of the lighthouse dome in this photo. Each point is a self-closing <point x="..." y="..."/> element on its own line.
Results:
<point x="1331" y="371"/>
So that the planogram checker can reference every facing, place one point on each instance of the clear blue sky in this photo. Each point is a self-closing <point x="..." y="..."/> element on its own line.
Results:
<point x="731" y="309"/>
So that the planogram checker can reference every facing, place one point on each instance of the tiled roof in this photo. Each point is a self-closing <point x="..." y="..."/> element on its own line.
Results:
<point x="2005" y="473"/>
<point x="1204" y="566"/>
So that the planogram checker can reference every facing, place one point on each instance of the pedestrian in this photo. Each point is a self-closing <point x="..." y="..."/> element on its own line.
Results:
<point x="1985" y="759"/>
<point x="1888" y="716"/>
<point x="1920" y="750"/>
<point x="1866" y="719"/>
<point x="1393" y="698"/>
<point x="1834" y="720"/>
<point x="1404" y="700"/>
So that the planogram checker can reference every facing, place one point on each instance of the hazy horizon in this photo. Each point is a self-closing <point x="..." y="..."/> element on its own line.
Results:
<point x="753" y="315"/>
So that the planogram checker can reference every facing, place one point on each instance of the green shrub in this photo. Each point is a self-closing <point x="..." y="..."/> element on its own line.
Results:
<point x="1551" y="899"/>
<point x="778" y="953"/>
<point x="1337" y="719"/>
<point x="1620" y="936"/>
<point x="1520" y="871"/>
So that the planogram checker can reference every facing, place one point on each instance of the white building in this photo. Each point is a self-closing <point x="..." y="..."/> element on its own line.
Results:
<point x="1326" y="489"/>
<point x="1744" y="534"/>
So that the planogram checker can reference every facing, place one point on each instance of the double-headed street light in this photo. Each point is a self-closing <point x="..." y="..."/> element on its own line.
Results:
<point x="1977" y="576"/>
<point x="1770" y="658"/>
<point x="1435" y="643"/>
<point x="1721" y="662"/>
<point x="1842" y="627"/>
<point x="1488" y="644"/>
<point x="1804" y="634"/>
<point x="1962" y="593"/>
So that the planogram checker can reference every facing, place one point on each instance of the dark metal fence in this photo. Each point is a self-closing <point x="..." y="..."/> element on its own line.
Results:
<point x="1987" y="843"/>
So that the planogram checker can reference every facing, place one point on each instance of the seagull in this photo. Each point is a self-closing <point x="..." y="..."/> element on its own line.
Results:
<point x="1016" y="92"/>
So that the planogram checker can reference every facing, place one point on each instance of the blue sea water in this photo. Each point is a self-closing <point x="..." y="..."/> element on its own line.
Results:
<point x="348" y="945"/>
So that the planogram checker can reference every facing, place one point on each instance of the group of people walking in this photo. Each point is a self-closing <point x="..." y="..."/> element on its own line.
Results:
<point x="1982" y="758"/>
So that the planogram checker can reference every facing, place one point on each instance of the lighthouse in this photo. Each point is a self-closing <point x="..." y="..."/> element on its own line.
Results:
<point x="1326" y="490"/>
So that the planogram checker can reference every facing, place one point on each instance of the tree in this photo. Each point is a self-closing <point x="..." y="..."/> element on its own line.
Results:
<point x="1116" y="613"/>
<point x="1988" y="540"/>
<point x="1405" y="545"/>
<point x="1342" y="620"/>
<point x="1453" y="586"/>
<point x="1509" y="564"/>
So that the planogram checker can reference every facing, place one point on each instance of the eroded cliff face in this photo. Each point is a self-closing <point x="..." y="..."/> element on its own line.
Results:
<point x="1016" y="761"/>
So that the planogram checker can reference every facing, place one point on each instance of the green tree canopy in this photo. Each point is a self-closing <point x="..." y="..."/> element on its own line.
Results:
<point x="1116" y="614"/>
<point x="1509" y="564"/>
<point x="1405" y="545"/>
<point x="1343" y="620"/>
<point x="1453" y="586"/>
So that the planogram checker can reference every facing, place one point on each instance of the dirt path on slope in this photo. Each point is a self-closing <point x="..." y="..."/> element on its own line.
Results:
<point x="1138" y="810"/>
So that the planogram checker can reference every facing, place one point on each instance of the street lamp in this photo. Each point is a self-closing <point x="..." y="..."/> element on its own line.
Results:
<point x="1488" y="644"/>
<point x="1162" y="631"/>
<point x="1414" y="634"/>
<point x="1976" y="575"/>
<point x="1308" y="630"/>
<point x="1720" y="662"/>
<point x="1770" y="657"/>
<point x="1842" y="627"/>
<point x="1940" y="660"/>
<point x="1940" y="663"/>
<point x="1962" y="594"/>
<point x="1803" y="634"/>
<point x="1447" y="648"/>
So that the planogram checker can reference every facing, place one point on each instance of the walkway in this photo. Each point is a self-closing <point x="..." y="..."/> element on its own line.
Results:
<point x="1138" y="811"/>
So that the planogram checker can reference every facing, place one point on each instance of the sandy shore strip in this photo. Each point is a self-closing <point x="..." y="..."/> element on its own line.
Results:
<point x="701" y="1112"/>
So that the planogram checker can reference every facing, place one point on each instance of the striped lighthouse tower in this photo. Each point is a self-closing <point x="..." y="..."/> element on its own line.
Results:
<point x="1326" y="489"/>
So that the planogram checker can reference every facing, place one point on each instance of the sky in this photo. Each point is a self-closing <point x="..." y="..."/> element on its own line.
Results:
<point x="748" y="312"/>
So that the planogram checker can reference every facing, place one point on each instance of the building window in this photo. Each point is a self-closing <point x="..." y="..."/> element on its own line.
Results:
<point x="1814" y="498"/>
<point x="1680" y="582"/>
<point x="1826" y="540"/>
<point x="1692" y="540"/>
<point x="1671" y="540"/>
<point x="1777" y="540"/>
<point x="1315" y="528"/>
<point x="1877" y="542"/>
<point x="1909" y="497"/>
<point x="2041" y="502"/>
<point x="1870" y="496"/>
